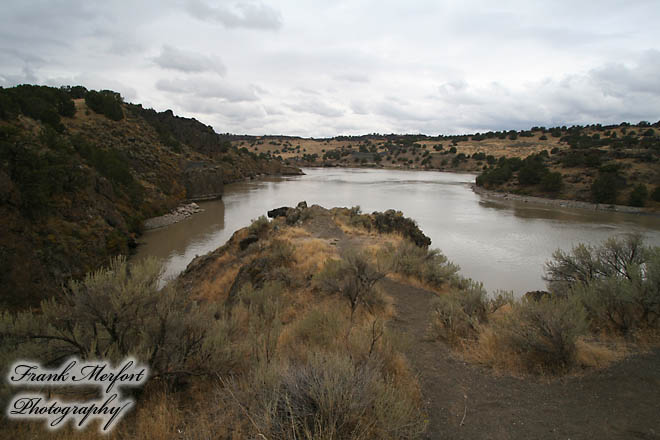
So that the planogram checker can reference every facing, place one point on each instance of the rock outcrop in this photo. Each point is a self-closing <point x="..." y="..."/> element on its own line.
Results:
<point x="203" y="181"/>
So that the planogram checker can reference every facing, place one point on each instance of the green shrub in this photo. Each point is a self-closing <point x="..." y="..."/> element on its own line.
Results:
<point x="394" y="221"/>
<point x="585" y="263"/>
<point x="552" y="182"/>
<point x="544" y="333"/>
<point x="532" y="171"/>
<point x="354" y="278"/>
<point x="259" y="226"/>
<point x="106" y="102"/>
<point x="457" y="314"/>
<point x="263" y="306"/>
<point x="638" y="195"/>
<point x="117" y="312"/>
<point x="430" y="266"/>
<point x="332" y="397"/>
<point x="656" y="194"/>
<point x="500" y="299"/>
<point x="606" y="188"/>
<point x="625" y="304"/>
<point x="495" y="176"/>
<point x="618" y="282"/>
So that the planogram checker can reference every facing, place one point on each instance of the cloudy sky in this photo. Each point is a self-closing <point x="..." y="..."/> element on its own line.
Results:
<point x="325" y="68"/>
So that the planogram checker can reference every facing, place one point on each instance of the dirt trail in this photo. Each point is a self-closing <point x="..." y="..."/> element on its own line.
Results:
<point x="464" y="401"/>
<point x="622" y="402"/>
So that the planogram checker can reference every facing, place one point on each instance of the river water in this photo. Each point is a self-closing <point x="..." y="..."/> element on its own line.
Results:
<point x="504" y="244"/>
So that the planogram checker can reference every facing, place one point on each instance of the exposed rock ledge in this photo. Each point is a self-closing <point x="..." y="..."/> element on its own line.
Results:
<point x="174" y="216"/>
<point x="561" y="202"/>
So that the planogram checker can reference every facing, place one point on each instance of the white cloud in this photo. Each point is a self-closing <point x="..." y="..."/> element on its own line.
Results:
<point x="207" y="88"/>
<point x="255" y="15"/>
<point x="325" y="68"/>
<point x="188" y="62"/>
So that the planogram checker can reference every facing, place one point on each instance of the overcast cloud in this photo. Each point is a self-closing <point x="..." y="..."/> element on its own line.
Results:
<point x="321" y="68"/>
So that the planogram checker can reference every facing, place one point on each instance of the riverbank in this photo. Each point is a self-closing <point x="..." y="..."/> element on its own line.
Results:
<point x="562" y="203"/>
<point x="176" y="215"/>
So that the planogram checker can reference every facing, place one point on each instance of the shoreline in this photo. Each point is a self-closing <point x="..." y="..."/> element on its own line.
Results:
<point x="181" y="212"/>
<point x="562" y="203"/>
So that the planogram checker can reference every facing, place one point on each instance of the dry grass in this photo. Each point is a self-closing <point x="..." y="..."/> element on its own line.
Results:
<point x="596" y="354"/>
<point x="311" y="255"/>
<point x="293" y="233"/>
<point x="489" y="351"/>
<point x="217" y="288"/>
<point x="416" y="282"/>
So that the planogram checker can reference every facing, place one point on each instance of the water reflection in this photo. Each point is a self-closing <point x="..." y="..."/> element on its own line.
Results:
<point x="502" y="243"/>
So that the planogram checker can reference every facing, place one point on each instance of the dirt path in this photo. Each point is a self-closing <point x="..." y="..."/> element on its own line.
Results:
<point x="465" y="401"/>
<point x="622" y="402"/>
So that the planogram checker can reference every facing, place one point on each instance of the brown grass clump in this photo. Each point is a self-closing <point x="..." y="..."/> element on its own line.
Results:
<point x="217" y="289"/>
<point x="329" y="396"/>
<point x="595" y="354"/>
<point x="311" y="255"/>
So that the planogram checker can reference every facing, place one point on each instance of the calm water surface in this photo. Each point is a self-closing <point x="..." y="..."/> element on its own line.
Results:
<point x="504" y="244"/>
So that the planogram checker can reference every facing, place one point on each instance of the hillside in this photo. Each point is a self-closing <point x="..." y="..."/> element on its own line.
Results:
<point x="618" y="160"/>
<point x="80" y="171"/>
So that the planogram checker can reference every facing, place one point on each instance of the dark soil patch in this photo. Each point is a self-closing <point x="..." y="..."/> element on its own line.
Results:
<point x="621" y="402"/>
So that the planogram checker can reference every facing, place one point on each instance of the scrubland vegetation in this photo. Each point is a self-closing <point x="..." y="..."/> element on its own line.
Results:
<point x="294" y="345"/>
<point x="609" y="165"/>
<point x="602" y="301"/>
<point x="285" y="331"/>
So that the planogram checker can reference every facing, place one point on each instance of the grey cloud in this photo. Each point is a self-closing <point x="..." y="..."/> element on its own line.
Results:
<point x="229" y="112"/>
<point x="273" y="110"/>
<point x="617" y="79"/>
<point x="359" y="108"/>
<point x="188" y="62"/>
<point x="318" y="107"/>
<point x="208" y="88"/>
<point x="26" y="76"/>
<point x="246" y="14"/>
<point x="97" y="82"/>
<point x="352" y="77"/>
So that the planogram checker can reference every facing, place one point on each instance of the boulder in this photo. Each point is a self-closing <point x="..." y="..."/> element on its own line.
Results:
<point x="203" y="181"/>
<point x="279" y="212"/>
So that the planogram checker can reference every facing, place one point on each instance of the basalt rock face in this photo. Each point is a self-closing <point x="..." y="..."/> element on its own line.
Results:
<point x="203" y="181"/>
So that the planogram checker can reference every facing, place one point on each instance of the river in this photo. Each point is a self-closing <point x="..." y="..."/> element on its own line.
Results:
<point x="504" y="244"/>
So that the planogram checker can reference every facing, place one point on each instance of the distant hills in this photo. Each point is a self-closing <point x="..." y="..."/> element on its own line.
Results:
<point x="614" y="164"/>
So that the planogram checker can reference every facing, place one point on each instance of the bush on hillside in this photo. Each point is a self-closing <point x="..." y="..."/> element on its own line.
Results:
<point x="552" y="182"/>
<point x="330" y="396"/>
<point x="106" y="102"/>
<point x="638" y="195"/>
<point x="618" y="282"/>
<point x="354" y="278"/>
<point x="117" y="312"/>
<point x="394" y="221"/>
<point x="457" y="314"/>
<point x="543" y="333"/>
<point x="429" y="266"/>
